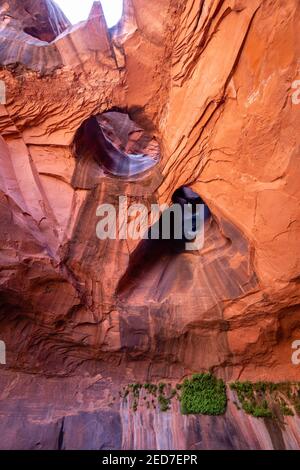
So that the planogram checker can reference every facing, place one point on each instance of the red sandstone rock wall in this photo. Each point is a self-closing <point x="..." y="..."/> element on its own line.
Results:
<point x="212" y="81"/>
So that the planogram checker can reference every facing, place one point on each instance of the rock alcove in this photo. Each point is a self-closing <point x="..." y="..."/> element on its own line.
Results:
<point x="118" y="145"/>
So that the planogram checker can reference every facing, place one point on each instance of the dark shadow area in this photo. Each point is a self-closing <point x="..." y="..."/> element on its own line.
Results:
<point x="152" y="249"/>
<point x="137" y="114"/>
<point x="46" y="36"/>
<point x="42" y="19"/>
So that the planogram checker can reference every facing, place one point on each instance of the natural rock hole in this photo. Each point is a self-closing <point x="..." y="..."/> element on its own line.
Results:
<point x="42" y="20"/>
<point x="152" y="250"/>
<point x="117" y="144"/>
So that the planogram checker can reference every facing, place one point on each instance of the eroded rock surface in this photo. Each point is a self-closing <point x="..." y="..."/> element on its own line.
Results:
<point x="207" y="87"/>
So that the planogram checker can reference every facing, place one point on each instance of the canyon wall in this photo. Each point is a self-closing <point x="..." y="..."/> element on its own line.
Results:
<point x="212" y="82"/>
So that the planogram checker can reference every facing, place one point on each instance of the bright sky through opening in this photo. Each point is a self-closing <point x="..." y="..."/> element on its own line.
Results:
<point x="78" y="10"/>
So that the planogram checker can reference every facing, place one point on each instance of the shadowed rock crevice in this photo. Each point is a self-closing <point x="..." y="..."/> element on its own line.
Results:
<point x="46" y="36"/>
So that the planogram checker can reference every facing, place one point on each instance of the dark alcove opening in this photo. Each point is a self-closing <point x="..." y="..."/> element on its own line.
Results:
<point x="47" y="36"/>
<point x="117" y="144"/>
<point x="155" y="247"/>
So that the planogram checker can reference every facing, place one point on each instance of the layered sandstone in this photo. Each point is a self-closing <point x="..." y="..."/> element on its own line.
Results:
<point x="205" y="88"/>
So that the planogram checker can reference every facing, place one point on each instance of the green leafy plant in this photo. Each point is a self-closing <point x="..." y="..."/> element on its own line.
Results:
<point x="164" y="403"/>
<point x="258" y="398"/>
<point x="203" y="394"/>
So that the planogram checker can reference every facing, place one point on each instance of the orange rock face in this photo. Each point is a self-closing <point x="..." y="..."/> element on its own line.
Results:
<point x="208" y="95"/>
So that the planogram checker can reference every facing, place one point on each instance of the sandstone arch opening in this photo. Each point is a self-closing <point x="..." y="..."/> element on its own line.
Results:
<point x="113" y="143"/>
<point x="158" y="248"/>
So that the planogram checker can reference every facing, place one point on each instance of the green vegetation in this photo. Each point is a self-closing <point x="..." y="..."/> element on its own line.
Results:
<point x="151" y="388"/>
<point x="285" y="409"/>
<point x="203" y="394"/>
<point x="268" y="399"/>
<point x="252" y="398"/>
<point x="164" y="403"/>
<point x="139" y="394"/>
